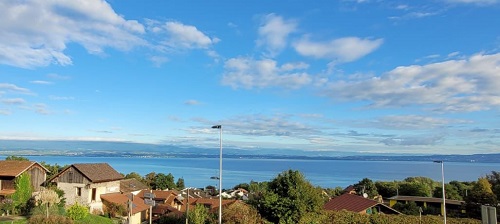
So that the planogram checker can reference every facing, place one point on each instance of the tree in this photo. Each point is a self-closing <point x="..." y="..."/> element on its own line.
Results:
<point x="288" y="197"/>
<point x="450" y="190"/>
<point x="242" y="186"/>
<point x="414" y="189"/>
<point x="23" y="193"/>
<point x="199" y="215"/>
<point x="333" y="192"/>
<point x="494" y="179"/>
<point x="53" y="169"/>
<point x="366" y="186"/>
<point x="180" y="184"/>
<point x="163" y="181"/>
<point x="134" y="175"/>
<point x="18" y="158"/>
<point x="48" y="198"/>
<point x="240" y="213"/>
<point x="150" y="179"/>
<point x="480" y="194"/>
<point x="409" y="208"/>
<point x="387" y="189"/>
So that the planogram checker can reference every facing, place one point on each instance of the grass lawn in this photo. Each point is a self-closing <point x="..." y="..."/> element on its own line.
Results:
<point x="12" y="219"/>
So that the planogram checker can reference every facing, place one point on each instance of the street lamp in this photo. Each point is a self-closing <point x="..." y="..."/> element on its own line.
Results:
<point x="444" y="193"/>
<point x="220" y="171"/>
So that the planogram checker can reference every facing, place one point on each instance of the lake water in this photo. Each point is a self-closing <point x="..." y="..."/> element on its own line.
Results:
<point x="325" y="173"/>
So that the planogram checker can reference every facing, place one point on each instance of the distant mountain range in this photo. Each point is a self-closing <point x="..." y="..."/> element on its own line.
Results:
<point x="127" y="149"/>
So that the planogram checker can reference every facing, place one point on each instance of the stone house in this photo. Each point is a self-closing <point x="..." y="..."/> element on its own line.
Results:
<point x="84" y="183"/>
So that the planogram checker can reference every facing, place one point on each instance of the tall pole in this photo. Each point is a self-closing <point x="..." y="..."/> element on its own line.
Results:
<point x="444" y="192"/>
<point x="220" y="171"/>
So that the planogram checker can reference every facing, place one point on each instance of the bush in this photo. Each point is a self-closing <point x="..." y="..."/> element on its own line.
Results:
<point x="92" y="219"/>
<point x="77" y="212"/>
<point x="55" y="219"/>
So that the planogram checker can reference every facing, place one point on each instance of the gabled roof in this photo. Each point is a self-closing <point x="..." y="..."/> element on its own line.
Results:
<point x="349" y="202"/>
<point x="425" y="199"/>
<point x="94" y="172"/>
<point x="14" y="168"/>
<point x="132" y="184"/>
<point x="98" y="172"/>
<point x="122" y="199"/>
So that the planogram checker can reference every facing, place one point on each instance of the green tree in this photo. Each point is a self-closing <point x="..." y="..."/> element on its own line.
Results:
<point x="288" y="197"/>
<point x="242" y="186"/>
<point x="180" y="184"/>
<point x="150" y="179"/>
<point x="18" y="158"/>
<point x="163" y="182"/>
<point x="414" y="189"/>
<point x="333" y="192"/>
<point x="480" y="194"/>
<point x="387" y="188"/>
<point x="23" y="193"/>
<point x="366" y="186"/>
<point x="199" y="215"/>
<point x="409" y="208"/>
<point x="53" y="169"/>
<point x="134" y="175"/>
<point x="494" y="179"/>
<point x="451" y="192"/>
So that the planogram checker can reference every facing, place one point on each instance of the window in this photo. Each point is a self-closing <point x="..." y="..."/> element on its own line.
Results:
<point x="94" y="192"/>
<point x="79" y="191"/>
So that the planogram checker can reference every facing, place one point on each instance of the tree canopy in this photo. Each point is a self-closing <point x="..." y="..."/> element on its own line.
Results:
<point x="288" y="197"/>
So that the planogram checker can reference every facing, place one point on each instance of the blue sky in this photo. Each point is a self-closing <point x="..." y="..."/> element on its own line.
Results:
<point x="348" y="76"/>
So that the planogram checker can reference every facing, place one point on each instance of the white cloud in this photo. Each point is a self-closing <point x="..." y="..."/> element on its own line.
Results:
<point x="455" y="85"/>
<point x="5" y="112"/>
<point x="411" y="122"/>
<point x="345" y="49"/>
<point x="249" y="73"/>
<point x="192" y="102"/>
<point x="14" y="88"/>
<point x="413" y="140"/>
<point x="13" y="101"/>
<point x="273" y="33"/>
<point x="36" y="32"/>
<point x="181" y="36"/>
<point x="41" y="82"/>
<point x="476" y="2"/>
<point x="61" y="97"/>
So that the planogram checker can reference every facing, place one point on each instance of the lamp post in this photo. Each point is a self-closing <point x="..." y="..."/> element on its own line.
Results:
<point x="220" y="171"/>
<point x="444" y="192"/>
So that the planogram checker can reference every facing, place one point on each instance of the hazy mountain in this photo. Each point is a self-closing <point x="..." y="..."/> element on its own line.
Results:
<point x="128" y="149"/>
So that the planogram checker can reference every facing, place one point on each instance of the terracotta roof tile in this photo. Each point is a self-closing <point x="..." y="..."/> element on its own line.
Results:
<point x="349" y="202"/>
<point x="117" y="198"/>
<point x="98" y="172"/>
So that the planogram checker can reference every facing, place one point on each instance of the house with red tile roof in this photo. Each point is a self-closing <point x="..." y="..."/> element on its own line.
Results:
<point x="355" y="203"/>
<point x="138" y="211"/>
<point x="11" y="169"/>
<point x="85" y="182"/>
<point x="166" y="202"/>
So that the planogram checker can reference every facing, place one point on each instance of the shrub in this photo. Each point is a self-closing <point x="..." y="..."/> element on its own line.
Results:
<point x="77" y="211"/>
<point x="55" y="219"/>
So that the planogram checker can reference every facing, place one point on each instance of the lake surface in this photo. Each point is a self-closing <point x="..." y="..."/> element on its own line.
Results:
<point x="325" y="173"/>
